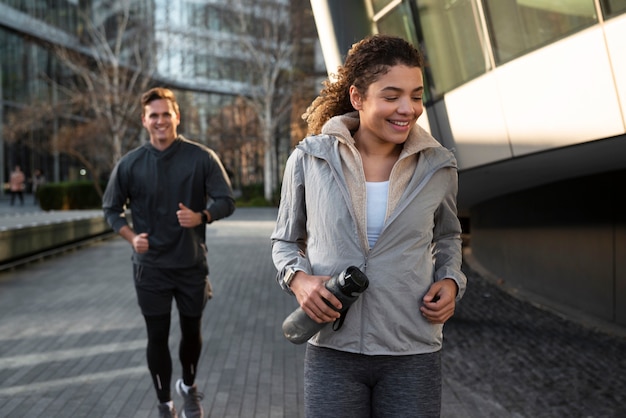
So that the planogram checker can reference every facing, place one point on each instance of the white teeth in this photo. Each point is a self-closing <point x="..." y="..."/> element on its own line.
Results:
<point x="399" y="123"/>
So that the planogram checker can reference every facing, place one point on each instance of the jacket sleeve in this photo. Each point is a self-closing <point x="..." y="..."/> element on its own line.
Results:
<point x="447" y="249"/>
<point x="114" y="200"/>
<point x="290" y="236"/>
<point x="217" y="184"/>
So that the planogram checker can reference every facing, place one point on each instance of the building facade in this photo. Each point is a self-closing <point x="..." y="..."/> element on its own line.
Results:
<point x="201" y="51"/>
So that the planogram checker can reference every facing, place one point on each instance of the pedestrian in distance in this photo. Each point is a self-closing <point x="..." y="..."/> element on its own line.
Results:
<point x="38" y="180"/>
<point x="16" y="185"/>
<point x="174" y="188"/>
<point x="372" y="189"/>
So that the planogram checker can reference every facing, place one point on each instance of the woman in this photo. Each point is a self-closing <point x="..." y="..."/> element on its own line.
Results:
<point x="16" y="184"/>
<point x="371" y="188"/>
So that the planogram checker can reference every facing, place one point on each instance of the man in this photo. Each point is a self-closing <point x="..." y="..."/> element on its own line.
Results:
<point x="174" y="187"/>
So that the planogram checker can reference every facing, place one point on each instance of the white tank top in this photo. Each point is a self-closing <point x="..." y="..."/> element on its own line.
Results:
<point x="376" y="209"/>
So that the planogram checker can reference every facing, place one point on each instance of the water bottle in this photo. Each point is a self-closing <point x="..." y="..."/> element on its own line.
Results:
<point x="298" y="327"/>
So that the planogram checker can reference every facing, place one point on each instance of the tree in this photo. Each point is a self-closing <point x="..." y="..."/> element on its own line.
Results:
<point x="233" y="132"/>
<point x="118" y="69"/>
<point x="266" y="37"/>
<point x="99" y="82"/>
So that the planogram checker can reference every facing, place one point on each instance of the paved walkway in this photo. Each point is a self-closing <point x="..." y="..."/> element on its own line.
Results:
<point x="29" y="214"/>
<point x="72" y="342"/>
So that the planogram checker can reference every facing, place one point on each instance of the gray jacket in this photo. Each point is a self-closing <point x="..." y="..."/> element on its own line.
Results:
<point x="321" y="229"/>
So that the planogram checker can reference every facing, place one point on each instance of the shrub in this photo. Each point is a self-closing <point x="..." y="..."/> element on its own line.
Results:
<point x="252" y="196"/>
<point x="69" y="196"/>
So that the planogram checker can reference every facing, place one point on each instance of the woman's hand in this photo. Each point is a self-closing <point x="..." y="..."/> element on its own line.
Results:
<point x="310" y="292"/>
<point x="440" y="301"/>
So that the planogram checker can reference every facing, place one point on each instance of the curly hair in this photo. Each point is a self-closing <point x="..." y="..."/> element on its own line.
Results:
<point x="365" y="63"/>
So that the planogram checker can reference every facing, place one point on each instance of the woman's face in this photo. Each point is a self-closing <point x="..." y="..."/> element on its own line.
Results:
<point x="391" y="106"/>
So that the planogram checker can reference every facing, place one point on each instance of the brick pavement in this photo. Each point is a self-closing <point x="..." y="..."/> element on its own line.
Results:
<point x="524" y="361"/>
<point x="72" y="342"/>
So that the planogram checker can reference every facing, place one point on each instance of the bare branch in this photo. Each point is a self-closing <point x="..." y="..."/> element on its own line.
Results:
<point x="98" y="107"/>
<point x="267" y="47"/>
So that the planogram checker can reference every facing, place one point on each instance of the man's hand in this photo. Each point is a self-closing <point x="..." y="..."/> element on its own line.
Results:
<point x="440" y="301"/>
<point x="140" y="243"/>
<point x="188" y="218"/>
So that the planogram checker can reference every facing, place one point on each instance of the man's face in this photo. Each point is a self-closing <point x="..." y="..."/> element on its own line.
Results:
<point x="161" y="121"/>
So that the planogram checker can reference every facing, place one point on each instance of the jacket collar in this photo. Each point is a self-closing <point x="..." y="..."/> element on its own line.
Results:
<point x="343" y="126"/>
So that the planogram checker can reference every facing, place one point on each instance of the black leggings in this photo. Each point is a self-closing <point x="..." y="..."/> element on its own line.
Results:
<point x="158" y="351"/>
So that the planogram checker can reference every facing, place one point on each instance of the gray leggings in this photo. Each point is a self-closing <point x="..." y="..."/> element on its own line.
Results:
<point x="341" y="384"/>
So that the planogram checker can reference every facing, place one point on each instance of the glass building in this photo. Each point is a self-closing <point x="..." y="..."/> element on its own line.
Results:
<point x="199" y="53"/>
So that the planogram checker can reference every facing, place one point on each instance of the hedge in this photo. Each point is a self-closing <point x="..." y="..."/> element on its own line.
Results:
<point x="69" y="196"/>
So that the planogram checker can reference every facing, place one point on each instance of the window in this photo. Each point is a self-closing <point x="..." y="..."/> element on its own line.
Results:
<point x="519" y="26"/>
<point x="398" y="22"/>
<point x="452" y="43"/>
<point x="378" y="5"/>
<point x="612" y="8"/>
<point x="14" y="71"/>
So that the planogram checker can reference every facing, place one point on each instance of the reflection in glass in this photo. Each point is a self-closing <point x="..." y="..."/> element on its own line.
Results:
<point x="378" y="5"/>
<point x="453" y="45"/>
<point x="398" y="22"/>
<point x="519" y="26"/>
<point x="612" y="8"/>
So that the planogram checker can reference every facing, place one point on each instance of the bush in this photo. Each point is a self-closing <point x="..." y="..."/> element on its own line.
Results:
<point x="253" y="196"/>
<point x="52" y="196"/>
<point x="252" y="191"/>
<point x="69" y="196"/>
<point x="82" y="195"/>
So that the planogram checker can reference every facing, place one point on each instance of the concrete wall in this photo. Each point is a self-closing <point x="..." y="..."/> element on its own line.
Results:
<point x="24" y="241"/>
<point x="562" y="243"/>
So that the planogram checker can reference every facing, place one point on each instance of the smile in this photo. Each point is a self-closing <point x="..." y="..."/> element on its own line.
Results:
<point x="397" y="123"/>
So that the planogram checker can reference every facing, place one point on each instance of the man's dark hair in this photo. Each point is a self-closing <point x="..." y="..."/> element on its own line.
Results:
<point x="159" y="93"/>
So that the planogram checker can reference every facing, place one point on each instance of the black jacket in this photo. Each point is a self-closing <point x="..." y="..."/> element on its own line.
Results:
<point x="151" y="183"/>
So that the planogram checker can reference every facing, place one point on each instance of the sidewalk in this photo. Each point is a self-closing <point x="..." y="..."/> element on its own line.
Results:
<point x="28" y="207"/>
<point x="72" y="342"/>
<point x="30" y="213"/>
